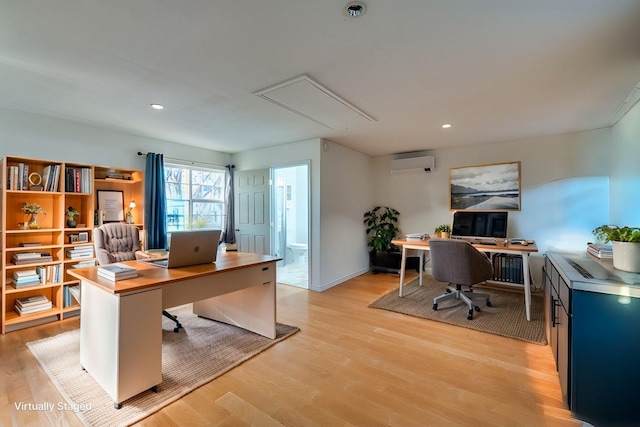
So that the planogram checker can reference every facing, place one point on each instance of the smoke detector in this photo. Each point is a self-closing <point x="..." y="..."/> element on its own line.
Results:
<point x="354" y="9"/>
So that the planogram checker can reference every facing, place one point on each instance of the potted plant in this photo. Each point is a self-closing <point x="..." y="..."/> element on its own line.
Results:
<point x="625" y="244"/>
<point x="33" y="209"/>
<point x="382" y="227"/>
<point x="71" y="214"/>
<point x="443" y="231"/>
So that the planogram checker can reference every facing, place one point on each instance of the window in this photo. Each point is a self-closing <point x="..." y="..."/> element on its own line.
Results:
<point x="195" y="197"/>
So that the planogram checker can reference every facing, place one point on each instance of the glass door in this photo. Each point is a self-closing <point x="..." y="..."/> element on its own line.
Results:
<point x="290" y="208"/>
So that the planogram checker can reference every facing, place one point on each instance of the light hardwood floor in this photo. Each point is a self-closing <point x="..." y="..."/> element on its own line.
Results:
<point x="350" y="365"/>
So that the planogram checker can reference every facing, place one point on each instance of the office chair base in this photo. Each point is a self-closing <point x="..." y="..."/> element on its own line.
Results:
<point x="168" y="315"/>
<point x="465" y="296"/>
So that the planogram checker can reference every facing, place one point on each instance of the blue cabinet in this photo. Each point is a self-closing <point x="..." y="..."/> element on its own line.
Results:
<point x="594" y="328"/>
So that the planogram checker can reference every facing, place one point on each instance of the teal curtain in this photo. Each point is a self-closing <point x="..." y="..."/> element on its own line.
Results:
<point x="229" y="232"/>
<point x="155" y="203"/>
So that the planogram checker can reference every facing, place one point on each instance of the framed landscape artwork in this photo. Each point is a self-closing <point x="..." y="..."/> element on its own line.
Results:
<point x="494" y="187"/>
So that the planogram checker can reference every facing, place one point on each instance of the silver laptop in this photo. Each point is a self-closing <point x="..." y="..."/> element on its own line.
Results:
<point x="191" y="247"/>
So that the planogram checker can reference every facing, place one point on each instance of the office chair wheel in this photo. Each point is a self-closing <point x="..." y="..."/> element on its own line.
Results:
<point x="470" y="316"/>
<point x="176" y="330"/>
<point x="488" y="302"/>
<point x="476" y="308"/>
<point x="435" y="306"/>
<point x="448" y="290"/>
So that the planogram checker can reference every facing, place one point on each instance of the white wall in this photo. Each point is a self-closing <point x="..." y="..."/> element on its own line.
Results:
<point x="40" y="137"/>
<point x="564" y="187"/>
<point x="625" y="170"/>
<point x="346" y="194"/>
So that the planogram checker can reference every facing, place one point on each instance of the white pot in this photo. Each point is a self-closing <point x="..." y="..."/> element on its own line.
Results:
<point x="626" y="256"/>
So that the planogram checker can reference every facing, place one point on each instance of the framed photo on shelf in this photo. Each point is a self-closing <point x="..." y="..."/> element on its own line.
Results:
<point x="494" y="187"/>
<point x="112" y="204"/>
<point x="83" y="237"/>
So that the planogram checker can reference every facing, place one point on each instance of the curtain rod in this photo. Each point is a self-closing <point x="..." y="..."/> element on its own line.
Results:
<point x="193" y="162"/>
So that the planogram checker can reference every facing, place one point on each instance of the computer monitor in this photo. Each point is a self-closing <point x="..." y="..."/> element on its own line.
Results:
<point x="479" y="224"/>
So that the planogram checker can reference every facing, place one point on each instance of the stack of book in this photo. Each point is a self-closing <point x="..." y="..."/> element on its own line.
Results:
<point x="80" y="252"/>
<point x="20" y="258"/>
<point x="80" y="264"/>
<point x="600" y="250"/>
<point x="26" y="278"/>
<point x="117" y="272"/>
<point x="33" y="304"/>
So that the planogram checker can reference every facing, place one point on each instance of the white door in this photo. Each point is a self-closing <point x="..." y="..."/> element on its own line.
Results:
<point x="252" y="211"/>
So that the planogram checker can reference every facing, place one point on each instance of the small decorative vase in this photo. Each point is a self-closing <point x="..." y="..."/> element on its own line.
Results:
<point x="71" y="223"/>
<point x="33" y="222"/>
<point x="626" y="256"/>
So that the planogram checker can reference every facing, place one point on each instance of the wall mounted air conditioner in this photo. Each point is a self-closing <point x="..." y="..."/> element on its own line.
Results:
<point x="413" y="165"/>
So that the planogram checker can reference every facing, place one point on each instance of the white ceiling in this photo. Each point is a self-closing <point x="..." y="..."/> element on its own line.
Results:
<point x="497" y="70"/>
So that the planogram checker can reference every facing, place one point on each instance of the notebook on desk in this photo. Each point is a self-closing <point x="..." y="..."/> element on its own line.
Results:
<point x="187" y="248"/>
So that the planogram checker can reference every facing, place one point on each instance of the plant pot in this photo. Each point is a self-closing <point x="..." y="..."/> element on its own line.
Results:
<point x="443" y="234"/>
<point x="71" y="223"/>
<point x="626" y="256"/>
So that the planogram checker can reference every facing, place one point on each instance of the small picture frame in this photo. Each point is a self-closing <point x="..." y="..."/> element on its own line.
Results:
<point x="73" y="238"/>
<point x="83" y="237"/>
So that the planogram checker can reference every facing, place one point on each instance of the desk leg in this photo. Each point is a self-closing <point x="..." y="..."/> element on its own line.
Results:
<point x="421" y="267"/>
<point x="527" y="285"/>
<point x="403" y="264"/>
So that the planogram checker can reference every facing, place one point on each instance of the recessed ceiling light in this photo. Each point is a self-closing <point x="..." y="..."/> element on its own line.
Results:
<point x="157" y="106"/>
<point x="354" y="9"/>
<point x="446" y="126"/>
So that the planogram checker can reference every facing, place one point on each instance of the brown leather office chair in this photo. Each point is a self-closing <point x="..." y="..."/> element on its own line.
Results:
<point x="460" y="264"/>
<point x="117" y="242"/>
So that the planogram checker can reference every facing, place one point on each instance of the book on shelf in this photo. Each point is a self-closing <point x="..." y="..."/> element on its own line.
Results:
<point x="30" y="244"/>
<point x="27" y="255"/>
<point x="26" y="278"/>
<point x="117" y="271"/>
<point x="44" y="257"/>
<point x="89" y="263"/>
<point x="600" y="250"/>
<point x="74" y="291"/>
<point x="33" y="309"/>
<point x="33" y="300"/>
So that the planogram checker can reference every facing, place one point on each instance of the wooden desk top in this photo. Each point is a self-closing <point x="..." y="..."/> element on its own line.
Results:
<point x="494" y="248"/>
<point x="150" y="276"/>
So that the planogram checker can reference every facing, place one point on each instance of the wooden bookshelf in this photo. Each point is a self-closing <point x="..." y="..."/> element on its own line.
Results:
<point x="74" y="184"/>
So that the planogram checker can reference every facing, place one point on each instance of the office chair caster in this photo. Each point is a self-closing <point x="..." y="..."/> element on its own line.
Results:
<point x="435" y="306"/>
<point x="488" y="302"/>
<point x="470" y="316"/>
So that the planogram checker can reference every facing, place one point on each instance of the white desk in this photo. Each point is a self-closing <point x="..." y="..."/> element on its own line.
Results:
<point x="423" y="245"/>
<point x="121" y="322"/>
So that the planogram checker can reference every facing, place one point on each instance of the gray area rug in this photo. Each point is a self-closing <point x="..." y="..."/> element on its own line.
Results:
<point x="505" y="317"/>
<point x="200" y="352"/>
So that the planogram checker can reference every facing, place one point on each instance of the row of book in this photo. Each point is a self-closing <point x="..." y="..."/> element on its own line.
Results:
<point x="32" y="304"/>
<point x="51" y="177"/>
<point x="508" y="268"/>
<point x="18" y="177"/>
<point x="38" y="275"/>
<point x="69" y="294"/>
<point x="600" y="250"/>
<point x="20" y="258"/>
<point x="77" y="180"/>
<point x="117" y="272"/>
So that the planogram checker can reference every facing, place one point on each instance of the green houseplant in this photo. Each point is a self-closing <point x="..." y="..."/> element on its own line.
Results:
<point x="33" y="209"/>
<point x="71" y="214"/>
<point x="625" y="244"/>
<point x="382" y="227"/>
<point x="443" y="231"/>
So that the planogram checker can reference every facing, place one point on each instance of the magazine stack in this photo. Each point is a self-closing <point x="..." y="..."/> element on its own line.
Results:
<point x="80" y="252"/>
<point x="33" y="304"/>
<point x="117" y="271"/>
<point x="21" y="258"/>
